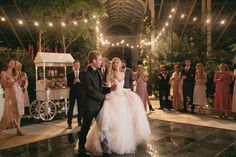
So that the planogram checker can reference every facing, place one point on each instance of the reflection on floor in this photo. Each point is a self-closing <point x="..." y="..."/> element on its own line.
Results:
<point x="168" y="139"/>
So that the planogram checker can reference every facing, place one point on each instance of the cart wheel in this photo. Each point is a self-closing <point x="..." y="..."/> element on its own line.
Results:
<point x="48" y="110"/>
<point x="34" y="108"/>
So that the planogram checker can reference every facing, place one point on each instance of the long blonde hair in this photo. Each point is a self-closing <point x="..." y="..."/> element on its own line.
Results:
<point x="141" y="72"/>
<point x="112" y="72"/>
<point x="200" y="72"/>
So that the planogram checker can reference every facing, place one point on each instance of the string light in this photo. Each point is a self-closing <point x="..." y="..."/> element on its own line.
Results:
<point x="94" y="16"/>
<point x="194" y="19"/>
<point x="208" y="21"/>
<point x="167" y="24"/>
<point x="50" y="24"/>
<point x="173" y="10"/>
<point x="182" y="16"/>
<point x="75" y="23"/>
<point x="20" y="22"/>
<point x="97" y="22"/>
<point x="63" y="24"/>
<point x="36" y="24"/>
<point x="3" y="19"/>
<point x="85" y="20"/>
<point x="170" y="16"/>
<point x="222" y="22"/>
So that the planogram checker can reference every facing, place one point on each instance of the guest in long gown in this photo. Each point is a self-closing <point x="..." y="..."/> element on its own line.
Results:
<point x="141" y="87"/>
<point x="199" y="94"/>
<point x="234" y="93"/>
<point x="23" y="82"/>
<point x="222" y="79"/>
<point x="14" y="98"/>
<point x="176" y="84"/>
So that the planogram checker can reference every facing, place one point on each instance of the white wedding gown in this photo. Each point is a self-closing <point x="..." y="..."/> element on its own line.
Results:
<point x="124" y="120"/>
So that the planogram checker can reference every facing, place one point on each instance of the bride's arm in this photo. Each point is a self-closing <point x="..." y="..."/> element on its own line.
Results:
<point x="109" y="79"/>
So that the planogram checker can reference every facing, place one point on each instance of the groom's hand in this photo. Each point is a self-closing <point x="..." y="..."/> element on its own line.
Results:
<point x="108" y="96"/>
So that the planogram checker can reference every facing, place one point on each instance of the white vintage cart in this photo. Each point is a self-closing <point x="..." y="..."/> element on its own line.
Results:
<point x="51" y="89"/>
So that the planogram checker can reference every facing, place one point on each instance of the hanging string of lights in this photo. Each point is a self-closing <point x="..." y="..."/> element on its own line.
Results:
<point x="167" y="22"/>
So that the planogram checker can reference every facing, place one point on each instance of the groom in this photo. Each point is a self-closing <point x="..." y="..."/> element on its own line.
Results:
<point x="93" y="102"/>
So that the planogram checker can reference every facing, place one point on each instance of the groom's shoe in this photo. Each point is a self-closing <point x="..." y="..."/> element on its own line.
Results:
<point x="83" y="153"/>
<point x="106" y="155"/>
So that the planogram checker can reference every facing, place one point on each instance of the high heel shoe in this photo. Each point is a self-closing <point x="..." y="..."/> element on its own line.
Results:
<point x="19" y="133"/>
<point x="150" y="108"/>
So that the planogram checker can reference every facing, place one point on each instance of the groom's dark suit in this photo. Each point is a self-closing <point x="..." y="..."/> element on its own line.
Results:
<point x="93" y="104"/>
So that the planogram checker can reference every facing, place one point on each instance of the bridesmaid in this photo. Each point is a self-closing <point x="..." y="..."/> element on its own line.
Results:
<point x="222" y="79"/>
<point x="23" y="82"/>
<point x="14" y="98"/>
<point x="199" y="94"/>
<point x="177" y="86"/>
<point x="141" y="87"/>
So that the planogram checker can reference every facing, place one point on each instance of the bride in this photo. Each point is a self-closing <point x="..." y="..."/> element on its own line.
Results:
<point x="122" y="119"/>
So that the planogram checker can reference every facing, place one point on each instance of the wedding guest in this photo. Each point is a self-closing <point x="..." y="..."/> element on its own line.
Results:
<point x="23" y="81"/>
<point x="14" y="98"/>
<point x="199" y="95"/>
<point x="222" y="79"/>
<point x="73" y="81"/>
<point x="188" y="76"/>
<point x="128" y="76"/>
<point x="176" y="84"/>
<point x="104" y="70"/>
<point x="234" y="93"/>
<point x="141" y="87"/>
<point x="164" y="92"/>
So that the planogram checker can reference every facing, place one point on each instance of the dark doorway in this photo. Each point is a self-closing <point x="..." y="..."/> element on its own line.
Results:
<point x="122" y="53"/>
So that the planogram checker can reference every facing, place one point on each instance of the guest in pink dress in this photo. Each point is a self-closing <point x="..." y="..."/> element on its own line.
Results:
<point x="222" y="80"/>
<point x="14" y="98"/>
<point x="141" y="87"/>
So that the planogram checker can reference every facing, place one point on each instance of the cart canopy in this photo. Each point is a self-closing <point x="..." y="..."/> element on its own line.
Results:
<point x="53" y="59"/>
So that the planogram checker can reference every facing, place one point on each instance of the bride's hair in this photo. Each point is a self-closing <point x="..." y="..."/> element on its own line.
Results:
<point x="112" y="75"/>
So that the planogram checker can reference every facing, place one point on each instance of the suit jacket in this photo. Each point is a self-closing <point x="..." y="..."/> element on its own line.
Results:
<point x="104" y="74"/>
<point x="190" y="74"/>
<point x="164" y="81"/>
<point x="128" y="79"/>
<point x="74" y="88"/>
<point x="94" y="97"/>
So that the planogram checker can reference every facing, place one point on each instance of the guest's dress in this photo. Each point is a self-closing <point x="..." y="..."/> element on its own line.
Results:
<point x="199" y="94"/>
<point x="24" y="86"/>
<point x="177" y="88"/>
<point x="122" y="120"/>
<point x="13" y="102"/>
<point x="141" y="90"/>
<point x="222" y="91"/>
<point x="234" y="93"/>
<point x="1" y="101"/>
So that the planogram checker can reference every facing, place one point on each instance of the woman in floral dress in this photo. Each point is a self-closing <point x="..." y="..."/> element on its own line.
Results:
<point x="14" y="98"/>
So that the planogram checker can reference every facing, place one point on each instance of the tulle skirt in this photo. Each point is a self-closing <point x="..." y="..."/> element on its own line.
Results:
<point x="124" y="121"/>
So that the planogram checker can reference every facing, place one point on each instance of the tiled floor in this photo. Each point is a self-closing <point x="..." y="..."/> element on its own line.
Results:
<point x="174" y="134"/>
<point x="168" y="139"/>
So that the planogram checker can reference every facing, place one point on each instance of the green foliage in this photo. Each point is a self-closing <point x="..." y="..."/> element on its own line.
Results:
<point x="66" y="11"/>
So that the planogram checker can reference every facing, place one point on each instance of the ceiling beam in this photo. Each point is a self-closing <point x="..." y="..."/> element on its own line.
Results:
<point x="12" y="27"/>
<point x="188" y="18"/>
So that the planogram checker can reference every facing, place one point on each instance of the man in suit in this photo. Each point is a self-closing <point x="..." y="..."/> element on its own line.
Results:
<point x="128" y="76"/>
<point x="73" y="81"/>
<point x="188" y="77"/>
<point x="163" y="81"/>
<point x="93" y="104"/>
<point x="104" y="71"/>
